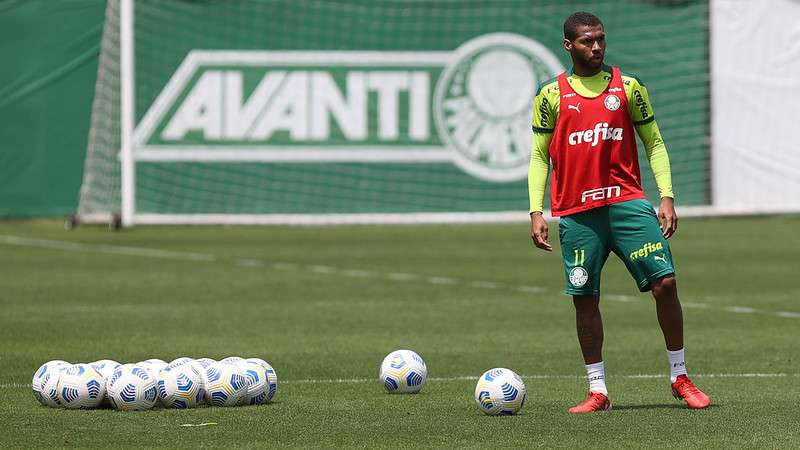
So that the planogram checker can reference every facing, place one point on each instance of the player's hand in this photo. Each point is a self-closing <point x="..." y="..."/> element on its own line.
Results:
<point x="539" y="232"/>
<point x="667" y="217"/>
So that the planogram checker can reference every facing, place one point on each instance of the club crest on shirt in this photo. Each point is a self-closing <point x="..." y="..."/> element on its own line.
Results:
<point x="612" y="102"/>
<point x="578" y="276"/>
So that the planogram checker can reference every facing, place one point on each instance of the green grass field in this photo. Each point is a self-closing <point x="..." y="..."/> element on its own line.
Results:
<point x="325" y="304"/>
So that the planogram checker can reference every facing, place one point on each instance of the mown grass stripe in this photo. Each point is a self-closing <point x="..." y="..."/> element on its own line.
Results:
<point x="337" y="271"/>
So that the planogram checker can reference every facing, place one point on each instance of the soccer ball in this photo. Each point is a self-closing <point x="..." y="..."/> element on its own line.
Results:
<point x="131" y="388"/>
<point x="156" y="361"/>
<point x="180" y="387"/>
<point x="200" y="366"/>
<point x="257" y="383"/>
<point x="49" y="383"/>
<point x="225" y="384"/>
<point x="500" y="391"/>
<point x="205" y="362"/>
<point x="403" y="372"/>
<point x="179" y="361"/>
<point x="233" y="360"/>
<point x="272" y="377"/>
<point x="152" y="366"/>
<point x="45" y="381"/>
<point x="81" y="386"/>
<point x="106" y="367"/>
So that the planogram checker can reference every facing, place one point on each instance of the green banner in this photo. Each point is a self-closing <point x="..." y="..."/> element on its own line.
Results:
<point x="49" y="52"/>
<point x="374" y="106"/>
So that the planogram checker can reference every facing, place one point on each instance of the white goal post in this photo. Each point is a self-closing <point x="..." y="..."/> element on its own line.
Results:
<point x="127" y="108"/>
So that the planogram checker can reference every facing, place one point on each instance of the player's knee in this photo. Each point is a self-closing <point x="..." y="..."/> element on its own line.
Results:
<point x="664" y="287"/>
<point x="586" y="305"/>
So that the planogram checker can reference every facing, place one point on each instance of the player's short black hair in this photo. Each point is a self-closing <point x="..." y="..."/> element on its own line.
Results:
<point x="577" y="19"/>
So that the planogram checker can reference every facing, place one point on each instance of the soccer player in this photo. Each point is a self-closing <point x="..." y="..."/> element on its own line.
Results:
<point x="583" y="121"/>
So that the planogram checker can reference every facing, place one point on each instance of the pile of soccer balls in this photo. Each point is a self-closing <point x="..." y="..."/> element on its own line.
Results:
<point x="499" y="391"/>
<point x="182" y="383"/>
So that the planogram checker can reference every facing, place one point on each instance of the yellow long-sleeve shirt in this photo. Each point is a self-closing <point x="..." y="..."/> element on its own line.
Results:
<point x="545" y="112"/>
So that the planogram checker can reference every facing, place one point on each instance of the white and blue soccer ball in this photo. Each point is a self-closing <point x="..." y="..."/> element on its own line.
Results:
<point x="106" y="367"/>
<point x="153" y="366"/>
<point x="226" y="384"/>
<point x="200" y="365"/>
<point x="45" y="382"/>
<point x="272" y="378"/>
<point x="403" y="372"/>
<point x="181" y="387"/>
<point x="233" y="360"/>
<point x="500" y="392"/>
<point x="180" y="361"/>
<point x="81" y="386"/>
<point x="49" y="383"/>
<point x="205" y="362"/>
<point x="257" y="383"/>
<point x="153" y="361"/>
<point x="132" y="388"/>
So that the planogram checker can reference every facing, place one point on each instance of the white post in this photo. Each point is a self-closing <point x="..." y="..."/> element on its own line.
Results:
<point x="128" y="168"/>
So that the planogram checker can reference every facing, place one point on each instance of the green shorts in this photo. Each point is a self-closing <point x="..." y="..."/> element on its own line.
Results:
<point x="630" y="229"/>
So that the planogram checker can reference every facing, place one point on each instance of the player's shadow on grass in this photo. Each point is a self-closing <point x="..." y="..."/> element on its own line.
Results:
<point x="657" y="406"/>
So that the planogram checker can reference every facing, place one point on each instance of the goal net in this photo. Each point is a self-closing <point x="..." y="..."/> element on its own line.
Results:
<point x="360" y="111"/>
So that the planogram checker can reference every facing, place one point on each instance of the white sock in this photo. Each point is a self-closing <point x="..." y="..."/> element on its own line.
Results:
<point x="677" y="364"/>
<point x="597" y="377"/>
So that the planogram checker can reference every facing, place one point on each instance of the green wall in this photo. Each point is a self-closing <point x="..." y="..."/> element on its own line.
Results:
<point x="49" y="51"/>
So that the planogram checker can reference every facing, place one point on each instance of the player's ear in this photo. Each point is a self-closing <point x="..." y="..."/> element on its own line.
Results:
<point x="567" y="45"/>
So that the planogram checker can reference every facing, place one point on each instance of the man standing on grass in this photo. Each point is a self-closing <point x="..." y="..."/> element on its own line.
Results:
<point x="583" y="121"/>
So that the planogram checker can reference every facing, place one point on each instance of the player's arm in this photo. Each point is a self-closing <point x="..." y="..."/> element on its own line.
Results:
<point x="646" y="127"/>
<point x="543" y="123"/>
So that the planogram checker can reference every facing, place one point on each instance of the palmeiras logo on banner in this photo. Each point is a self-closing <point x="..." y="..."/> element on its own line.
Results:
<point x="470" y="107"/>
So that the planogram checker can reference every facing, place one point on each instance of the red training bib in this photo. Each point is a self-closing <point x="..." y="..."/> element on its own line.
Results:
<point x="593" y="150"/>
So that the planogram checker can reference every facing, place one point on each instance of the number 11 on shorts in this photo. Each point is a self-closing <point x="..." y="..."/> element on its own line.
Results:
<point x="582" y="256"/>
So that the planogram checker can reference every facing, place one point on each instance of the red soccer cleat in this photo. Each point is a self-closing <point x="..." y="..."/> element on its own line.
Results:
<point x="595" y="402"/>
<point x="683" y="388"/>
